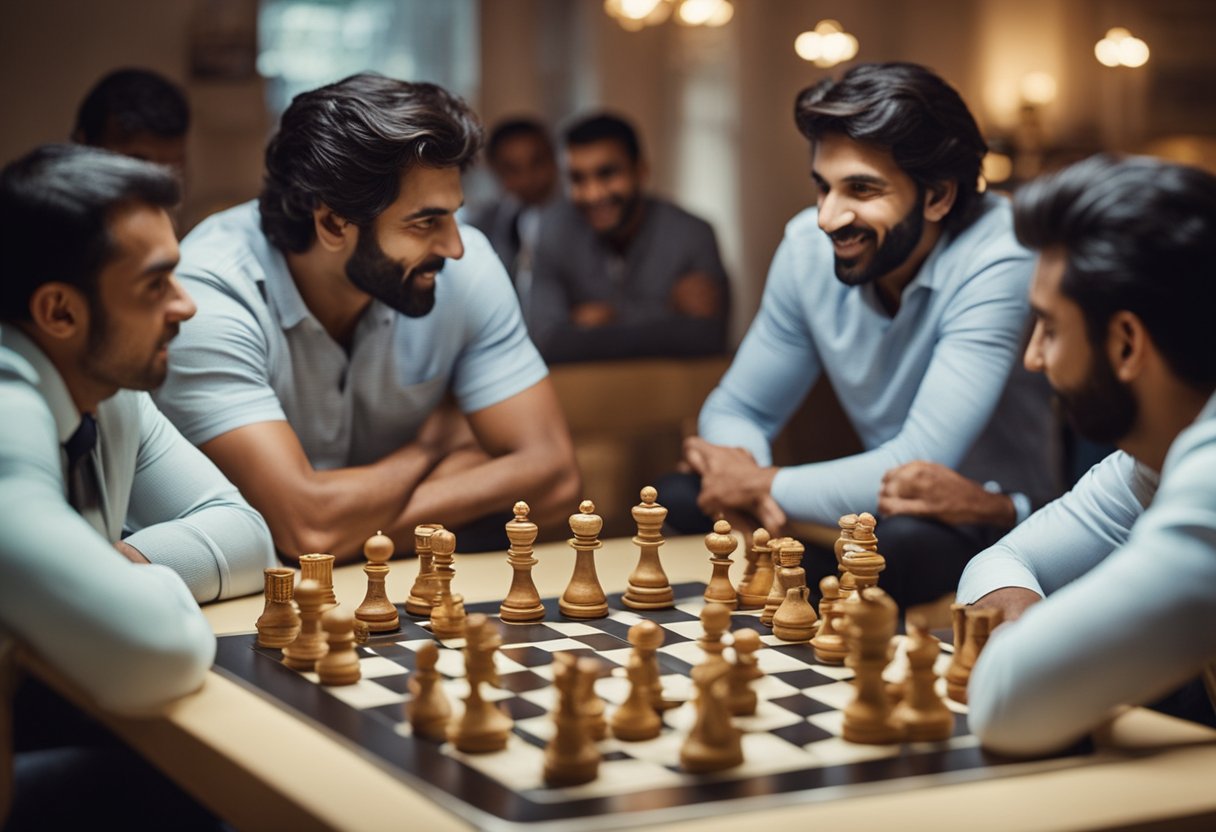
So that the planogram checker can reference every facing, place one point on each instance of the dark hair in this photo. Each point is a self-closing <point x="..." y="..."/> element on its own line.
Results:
<point x="131" y="101"/>
<point x="514" y="128"/>
<point x="605" y="127"/>
<point x="1138" y="234"/>
<point x="55" y="206"/>
<point x="347" y="144"/>
<point x="906" y="108"/>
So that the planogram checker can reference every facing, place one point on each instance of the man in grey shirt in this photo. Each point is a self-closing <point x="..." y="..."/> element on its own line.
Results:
<point x="618" y="273"/>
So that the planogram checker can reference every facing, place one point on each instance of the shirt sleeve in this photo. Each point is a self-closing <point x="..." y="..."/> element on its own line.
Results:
<point x="188" y="516"/>
<point x="129" y="636"/>
<point x="219" y="368"/>
<point x="774" y="368"/>
<point x="1135" y="627"/>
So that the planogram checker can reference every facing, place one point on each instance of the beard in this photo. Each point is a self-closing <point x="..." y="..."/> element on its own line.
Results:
<point x="628" y="206"/>
<point x="374" y="272"/>
<point x="1102" y="409"/>
<point x="899" y="245"/>
<point x="104" y="361"/>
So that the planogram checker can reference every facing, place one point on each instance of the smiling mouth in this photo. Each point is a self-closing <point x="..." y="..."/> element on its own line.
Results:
<point x="849" y="243"/>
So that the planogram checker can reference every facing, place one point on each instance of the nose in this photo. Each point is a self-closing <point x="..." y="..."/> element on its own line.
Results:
<point x="181" y="307"/>
<point x="449" y="244"/>
<point x="590" y="190"/>
<point x="1032" y="359"/>
<point x="833" y="214"/>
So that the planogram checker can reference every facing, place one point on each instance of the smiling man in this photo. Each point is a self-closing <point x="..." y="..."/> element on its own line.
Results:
<point x="337" y="314"/>
<point x="619" y="273"/>
<point x="906" y="288"/>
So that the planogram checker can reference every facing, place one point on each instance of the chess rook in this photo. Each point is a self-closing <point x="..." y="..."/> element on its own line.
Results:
<point x="977" y="626"/>
<point x="319" y="567"/>
<point x="648" y="587"/>
<point x="720" y="543"/>
<point x="757" y="580"/>
<point x="584" y="597"/>
<point x="376" y="611"/>
<point x="279" y="624"/>
<point x="424" y="591"/>
<point x="523" y="601"/>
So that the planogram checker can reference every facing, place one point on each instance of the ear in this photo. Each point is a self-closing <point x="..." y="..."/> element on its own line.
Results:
<point x="59" y="311"/>
<point x="334" y="233"/>
<point x="939" y="199"/>
<point x="1127" y="345"/>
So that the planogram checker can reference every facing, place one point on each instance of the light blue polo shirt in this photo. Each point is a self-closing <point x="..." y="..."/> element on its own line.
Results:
<point x="255" y="353"/>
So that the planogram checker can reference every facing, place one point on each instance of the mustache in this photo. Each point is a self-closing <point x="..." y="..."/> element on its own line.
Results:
<point x="852" y="230"/>
<point x="171" y="333"/>
<point x="432" y="265"/>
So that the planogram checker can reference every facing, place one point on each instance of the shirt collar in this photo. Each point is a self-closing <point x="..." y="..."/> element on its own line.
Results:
<point x="284" y="296"/>
<point x="49" y="382"/>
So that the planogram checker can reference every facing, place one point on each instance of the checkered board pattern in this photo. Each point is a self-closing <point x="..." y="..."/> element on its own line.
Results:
<point x="792" y="746"/>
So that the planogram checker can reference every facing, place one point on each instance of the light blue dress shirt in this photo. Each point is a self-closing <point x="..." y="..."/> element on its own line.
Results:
<point x="255" y="353"/>
<point x="933" y="382"/>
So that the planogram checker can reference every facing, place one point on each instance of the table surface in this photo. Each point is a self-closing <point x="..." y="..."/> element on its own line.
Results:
<point x="259" y="766"/>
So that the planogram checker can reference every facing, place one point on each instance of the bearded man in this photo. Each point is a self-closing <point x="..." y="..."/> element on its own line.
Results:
<point x="906" y="287"/>
<point x="339" y="312"/>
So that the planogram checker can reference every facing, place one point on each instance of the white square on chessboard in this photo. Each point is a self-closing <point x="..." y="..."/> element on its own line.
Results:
<point x="555" y="645"/>
<point x="836" y="751"/>
<point x="767" y="717"/>
<point x="625" y="617"/>
<point x="573" y="628"/>
<point x="545" y="697"/>
<point x="663" y="750"/>
<point x="376" y="667"/>
<point x="620" y="657"/>
<point x="458" y="689"/>
<point x="520" y="766"/>
<point x="772" y="661"/>
<point x="768" y="687"/>
<point x="688" y="629"/>
<point x="365" y="694"/>
<point x="765" y="754"/>
<point x="833" y="671"/>
<point x="612" y="689"/>
<point x="692" y="606"/>
<point x="541" y="727"/>
<point x="838" y="694"/>
<point x="685" y="651"/>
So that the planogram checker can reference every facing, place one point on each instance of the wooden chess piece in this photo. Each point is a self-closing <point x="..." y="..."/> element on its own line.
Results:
<point x="636" y="719"/>
<point x="776" y="593"/>
<point x="584" y="597"/>
<point x="871" y="619"/>
<point x="795" y="619"/>
<point x="279" y="623"/>
<point x="376" y="611"/>
<point x="422" y="594"/>
<point x="957" y="675"/>
<point x="743" y="672"/>
<point x="713" y="743"/>
<point x="523" y="600"/>
<point x="847" y="523"/>
<point x="428" y="709"/>
<point x="979" y="625"/>
<point x="447" y="616"/>
<point x="720" y="543"/>
<point x="483" y="727"/>
<point x="921" y="713"/>
<point x="590" y="704"/>
<point x="715" y="620"/>
<point x="860" y="556"/>
<point x="828" y="643"/>
<point x="319" y="567"/>
<point x="340" y="664"/>
<point x="648" y="587"/>
<point x="310" y="644"/>
<point x="571" y="757"/>
<point x="758" y="577"/>
<point x="647" y="637"/>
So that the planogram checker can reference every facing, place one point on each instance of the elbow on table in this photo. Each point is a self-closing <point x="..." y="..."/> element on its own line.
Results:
<point x="152" y="675"/>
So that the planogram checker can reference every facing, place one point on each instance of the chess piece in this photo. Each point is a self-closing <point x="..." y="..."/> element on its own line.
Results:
<point x="319" y="567"/>
<point x="977" y="627"/>
<point x="636" y="719"/>
<point x="310" y="644"/>
<point x="523" y="600"/>
<point x="776" y="593"/>
<point x="720" y="543"/>
<point x="828" y="643"/>
<point x="279" y="624"/>
<point x="860" y="556"/>
<point x="571" y="757"/>
<point x="376" y="611"/>
<point x="584" y="597"/>
<point x="340" y="664"/>
<point x="715" y="619"/>
<point x="957" y="675"/>
<point x="648" y="587"/>
<point x="647" y="637"/>
<point x="447" y="616"/>
<point x="743" y="672"/>
<point x="483" y="727"/>
<point x="590" y="704"/>
<point x="921" y="713"/>
<point x="847" y="523"/>
<point x="871" y="618"/>
<point x="795" y="619"/>
<point x="428" y="709"/>
<point x="713" y="743"/>
<point x="422" y="594"/>
<point x="758" y="577"/>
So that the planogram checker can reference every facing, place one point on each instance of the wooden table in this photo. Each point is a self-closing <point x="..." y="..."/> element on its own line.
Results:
<point x="260" y="767"/>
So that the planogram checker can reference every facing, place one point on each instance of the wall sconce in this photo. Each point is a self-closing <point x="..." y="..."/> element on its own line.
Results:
<point x="635" y="15"/>
<point x="1120" y="48"/>
<point x="827" y="45"/>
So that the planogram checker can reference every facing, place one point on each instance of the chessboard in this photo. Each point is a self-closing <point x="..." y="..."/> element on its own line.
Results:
<point x="792" y="746"/>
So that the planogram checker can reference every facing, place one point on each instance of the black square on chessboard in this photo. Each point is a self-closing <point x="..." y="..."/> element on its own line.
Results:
<point x="802" y="733"/>
<point x="528" y="656"/>
<point x="397" y="684"/>
<point x="803" y="679"/>
<point x="804" y="706"/>
<point x="522" y="681"/>
<point x="518" y="708"/>
<point x="393" y="652"/>
<point x="601" y="641"/>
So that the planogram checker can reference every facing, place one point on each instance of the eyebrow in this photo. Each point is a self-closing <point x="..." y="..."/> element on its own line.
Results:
<point x="422" y="213"/>
<point x="159" y="267"/>
<point x="853" y="179"/>
<point x="1040" y="312"/>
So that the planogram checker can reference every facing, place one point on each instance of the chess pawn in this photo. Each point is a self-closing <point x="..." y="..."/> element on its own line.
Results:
<point x="871" y="619"/>
<point x="848" y="586"/>
<point x="448" y="615"/>
<point x="758" y="577"/>
<point x="720" y="543"/>
<point x="523" y="600"/>
<point x="319" y="567"/>
<point x="715" y="619"/>
<point x="636" y="719"/>
<point x="310" y="644"/>
<point x="921" y="713"/>
<point x="648" y="587"/>
<point x="376" y="611"/>
<point x="647" y="637"/>
<point x="340" y="664"/>
<point x="483" y="727"/>
<point x="590" y="704"/>
<point x="743" y="672"/>
<point x="571" y="757"/>
<point x="279" y="624"/>
<point x="828" y="643"/>
<point x="978" y="626"/>
<point x="422" y="594"/>
<point x="957" y="674"/>
<point x="776" y="593"/>
<point x="428" y="709"/>
<point x="713" y="743"/>
<point x="584" y="597"/>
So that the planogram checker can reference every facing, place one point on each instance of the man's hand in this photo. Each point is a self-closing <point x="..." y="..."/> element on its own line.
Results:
<point x="1012" y="601"/>
<point x="731" y="480"/>
<point x="130" y="552"/>
<point x="592" y="314"/>
<point x="696" y="295"/>
<point x="926" y="489"/>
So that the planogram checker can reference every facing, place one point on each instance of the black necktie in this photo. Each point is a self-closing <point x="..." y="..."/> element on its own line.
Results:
<point x="82" y="481"/>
